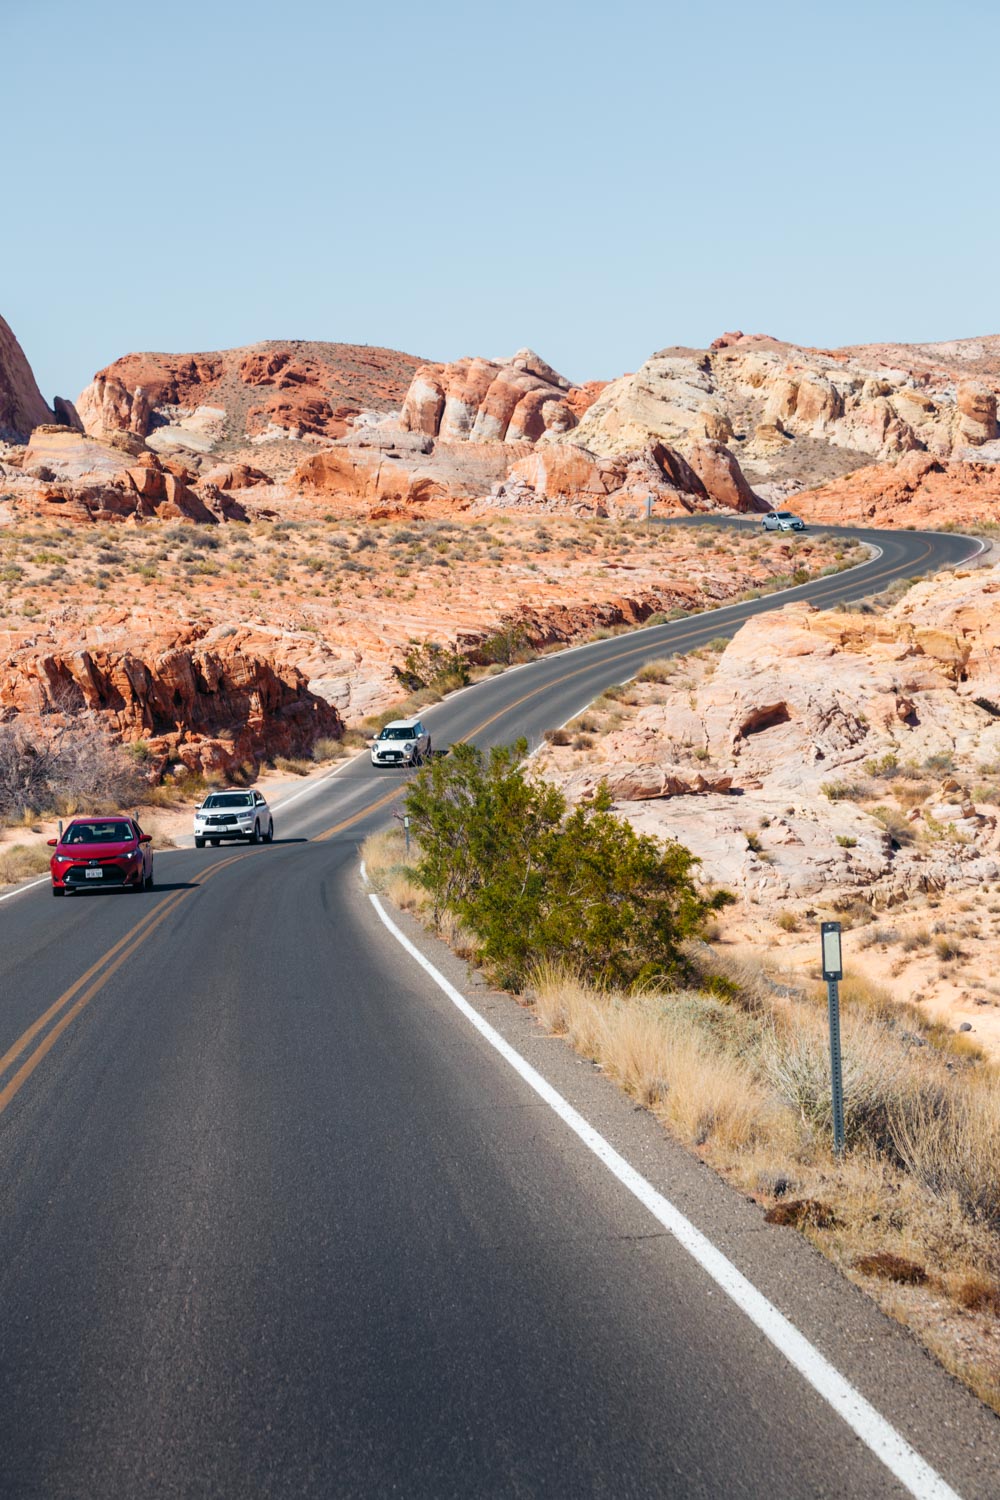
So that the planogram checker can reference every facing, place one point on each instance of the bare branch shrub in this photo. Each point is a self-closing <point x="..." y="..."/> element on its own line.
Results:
<point x="62" y="767"/>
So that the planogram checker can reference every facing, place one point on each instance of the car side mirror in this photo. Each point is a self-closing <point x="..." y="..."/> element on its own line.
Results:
<point x="52" y="843"/>
<point x="145" y="838"/>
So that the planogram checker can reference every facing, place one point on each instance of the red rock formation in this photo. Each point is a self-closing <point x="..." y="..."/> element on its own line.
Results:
<point x="22" y="406"/>
<point x="486" y="401"/>
<point x="564" y="476"/>
<point x="417" y="477"/>
<point x="722" y="477"/>
<point x="298" y="388"/>
<point x="580" y="398"/>
<point x="210" y="701"/>
<point x="918" y="491"/>
<point x="235" y="477"/>
<point x="978" y="407"/>
<point x="120" y="490"/>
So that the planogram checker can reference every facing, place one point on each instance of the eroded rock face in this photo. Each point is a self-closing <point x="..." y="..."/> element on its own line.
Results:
<point x="299" y="390"/>
<point x="566" y="477"/>
<point x="411" y="476"/>
<point x="211" y="700"/>
<point x="919" y="490"/>
<point x="22" y="405"/>
<point x="481" y="400"/>
<point x="792" y="416"/>
<point x="68" y="477"/>
<point x="802" y="708"/>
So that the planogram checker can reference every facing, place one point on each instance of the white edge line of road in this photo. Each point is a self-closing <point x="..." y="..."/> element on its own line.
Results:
<point x="877" y="1434"/>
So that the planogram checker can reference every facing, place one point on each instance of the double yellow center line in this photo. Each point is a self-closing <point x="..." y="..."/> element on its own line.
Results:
<point x="80" y="993"/>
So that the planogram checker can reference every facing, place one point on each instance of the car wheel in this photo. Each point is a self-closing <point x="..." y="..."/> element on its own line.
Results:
<point x="269" y="835"/>
<point x="199" y="843"/>
<point x="255" y="836"/>
<point x="57" y="890"/>
<point x="149" y="879"/>
<point x="427" y="752"/>
<point x="214" y="843"/>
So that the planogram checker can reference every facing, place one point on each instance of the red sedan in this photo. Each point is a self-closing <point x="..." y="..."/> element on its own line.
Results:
<point x="99" y="854"/>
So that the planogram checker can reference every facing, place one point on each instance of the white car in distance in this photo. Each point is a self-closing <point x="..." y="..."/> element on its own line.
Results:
<point x="233" y="814"/>
<point x="404" y="742"/>
<point x="782" y="520"/>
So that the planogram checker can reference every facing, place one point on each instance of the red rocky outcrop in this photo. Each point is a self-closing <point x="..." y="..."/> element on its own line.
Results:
<point x="212" y="701"/>
<point x="296" y="388"/>
<point x="22" y="405"/>
<point x="482" y="400"/>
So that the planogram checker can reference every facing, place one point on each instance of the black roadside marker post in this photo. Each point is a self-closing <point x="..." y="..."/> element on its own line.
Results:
<point x="833" y="973"/>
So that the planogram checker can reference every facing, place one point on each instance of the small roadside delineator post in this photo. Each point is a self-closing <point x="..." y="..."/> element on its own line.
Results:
<point x="833" y="973"/>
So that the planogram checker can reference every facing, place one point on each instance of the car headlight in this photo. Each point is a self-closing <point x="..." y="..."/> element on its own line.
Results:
<point x="63" y="859"/>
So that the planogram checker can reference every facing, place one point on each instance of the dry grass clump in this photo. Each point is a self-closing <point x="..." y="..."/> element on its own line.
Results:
<point x="657" y="671"/>
<point x="670" y="1053"/>
<point x="292" y="766"/>
<point x="951" y="1146"/>
<point x="390" y="871"/>
<point x="21" y="861"/>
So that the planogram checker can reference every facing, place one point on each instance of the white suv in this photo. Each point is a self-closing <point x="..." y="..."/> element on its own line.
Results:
<point x="782" y="520"/>
<point x="404" y="742"/>
<point x="233" y="815"/>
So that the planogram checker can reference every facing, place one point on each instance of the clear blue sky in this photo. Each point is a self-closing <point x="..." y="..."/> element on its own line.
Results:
<point x="595" y="180"/>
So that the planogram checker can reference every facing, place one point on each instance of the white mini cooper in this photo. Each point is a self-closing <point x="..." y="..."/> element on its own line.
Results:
<point x="404" y="742"/>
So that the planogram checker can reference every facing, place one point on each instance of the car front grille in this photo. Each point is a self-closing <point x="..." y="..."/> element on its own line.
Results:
<point x="108" y="875"/>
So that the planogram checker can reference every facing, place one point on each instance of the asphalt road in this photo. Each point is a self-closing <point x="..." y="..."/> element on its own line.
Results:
<point x="276" y="1221"/>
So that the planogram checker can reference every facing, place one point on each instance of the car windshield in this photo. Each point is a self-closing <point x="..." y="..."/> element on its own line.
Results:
<point x="398" y="732"/>
<point x="117" y="831"/>
<point x="229" y="799"/>
<point x="785" y="515"/>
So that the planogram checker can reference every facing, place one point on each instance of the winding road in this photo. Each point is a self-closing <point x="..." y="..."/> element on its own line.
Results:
<point x="277" y="1220"/>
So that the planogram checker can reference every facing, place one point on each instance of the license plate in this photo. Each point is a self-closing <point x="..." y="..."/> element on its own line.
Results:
<point x="94" y="874"/>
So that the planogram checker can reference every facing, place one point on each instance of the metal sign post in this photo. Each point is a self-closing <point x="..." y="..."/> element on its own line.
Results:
<point x="406" y="831"/>
<point x="833" y="973"/>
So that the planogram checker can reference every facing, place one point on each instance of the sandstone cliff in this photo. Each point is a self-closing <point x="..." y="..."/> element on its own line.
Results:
<point x="853" y="742"/>
<point x="795" y="416"/>
<point x="516" y="401"/>
<point x="211" y="699"/>
<point x="919" y="490"/>
<point x="22" y="405"/>
<point x="264" y="392"/>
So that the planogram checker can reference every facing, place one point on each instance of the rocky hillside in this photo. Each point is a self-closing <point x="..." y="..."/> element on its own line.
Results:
<point x="832" y="764"/>
<point x="795" y="417"/>
<point x="919" y="491"/>
<point x="22" y="406"/>
<point x="502" y="435"/>
<point x="261" y="393"/>
<point x="883" y="433"/>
